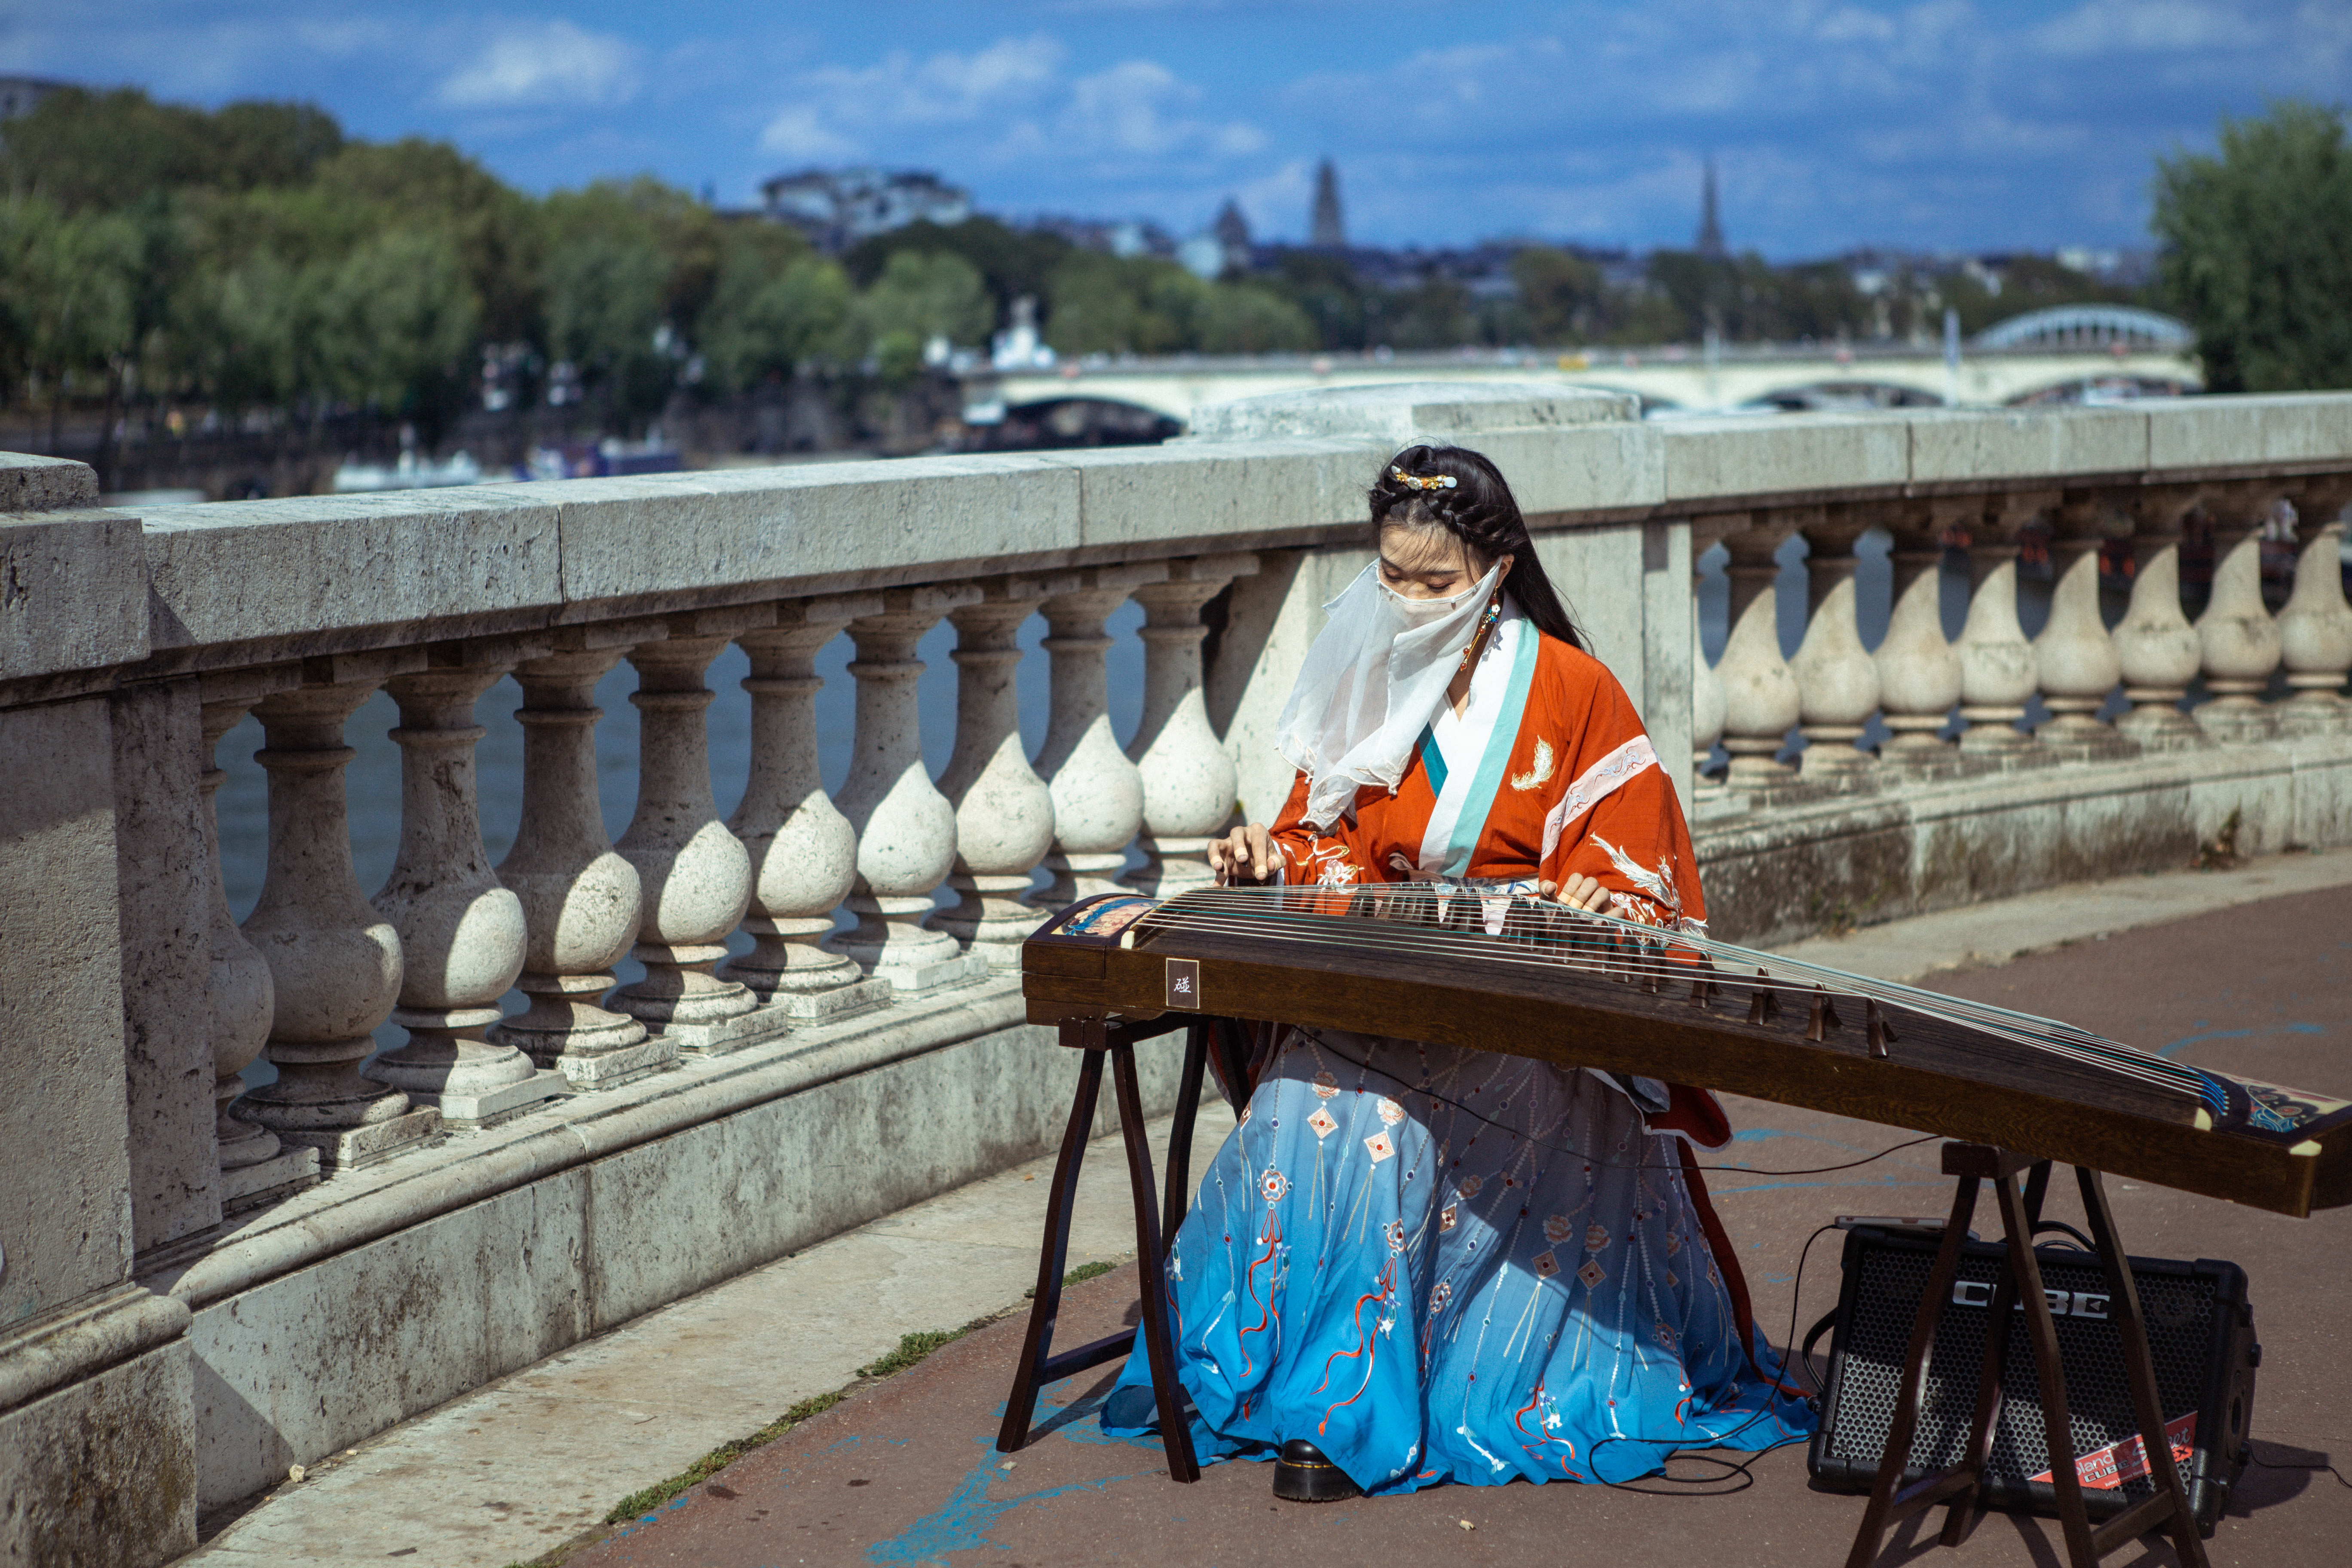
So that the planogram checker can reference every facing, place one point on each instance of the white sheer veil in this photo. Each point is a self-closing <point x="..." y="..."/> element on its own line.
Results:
<point x="1371" y="684"/>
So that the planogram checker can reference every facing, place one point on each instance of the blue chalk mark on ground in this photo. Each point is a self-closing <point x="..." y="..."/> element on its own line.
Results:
<point x="1078" y="1421"/>
<point x="1758" y="1134"/>
<point x="2187" y="1040"/>
<point x="654" y="1518"/>
<point x="962" y="1523"/>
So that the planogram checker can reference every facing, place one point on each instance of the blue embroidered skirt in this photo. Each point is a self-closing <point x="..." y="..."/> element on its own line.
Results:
<point x="1444" y="1265"/>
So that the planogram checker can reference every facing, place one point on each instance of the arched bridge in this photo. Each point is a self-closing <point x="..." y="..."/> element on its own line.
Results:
<point x="2040" y="368"/>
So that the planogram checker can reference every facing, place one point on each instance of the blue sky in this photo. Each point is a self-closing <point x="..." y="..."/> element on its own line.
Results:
<point x="1933" y="124"/>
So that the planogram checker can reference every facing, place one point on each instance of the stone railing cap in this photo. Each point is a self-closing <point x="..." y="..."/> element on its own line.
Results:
<point x="30" y="483"/>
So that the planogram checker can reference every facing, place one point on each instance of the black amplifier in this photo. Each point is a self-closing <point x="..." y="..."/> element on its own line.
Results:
<point x="2201" y="1336"/>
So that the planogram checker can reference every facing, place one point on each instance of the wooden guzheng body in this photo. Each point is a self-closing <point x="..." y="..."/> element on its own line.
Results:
<point x="1467" y="964"/>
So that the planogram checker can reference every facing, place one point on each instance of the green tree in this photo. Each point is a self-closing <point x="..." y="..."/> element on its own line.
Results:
<point x="499" y="236"/>
<point x="94" y="151"/>
<point x="686" y="235"/>
<point x="396" y="326"/>
<point x="71" y="298"/>
<point x="768" y="319"/>
<point x="1327" y="293"/>
<point x="1563" y="295"/>
<point x="1244" y="319"/>
<point x="1014" y="262"/>
<point x="1434" y="314"/>
<point x="604" y="300"/>
<point x="1095" y="305"/>
<point x="2258" y="250"/>
<point x="924" y="295"/>
<point x="921" y="296"/>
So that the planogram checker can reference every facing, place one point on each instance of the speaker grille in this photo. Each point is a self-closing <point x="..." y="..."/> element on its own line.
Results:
<point x="2180" y="1310"/>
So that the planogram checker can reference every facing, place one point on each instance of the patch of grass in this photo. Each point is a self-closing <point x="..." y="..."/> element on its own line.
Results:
<point x="1078" y="1276"/>
<point x="2223" y="853"/>
<point x="912" y="1348"/>
<point x="726" y="1454"/>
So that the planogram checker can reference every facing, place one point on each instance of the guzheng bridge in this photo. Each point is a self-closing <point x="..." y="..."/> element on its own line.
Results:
<point x="201" y="1285"/>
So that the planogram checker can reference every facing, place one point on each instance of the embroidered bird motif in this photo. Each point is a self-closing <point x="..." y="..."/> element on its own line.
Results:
<point x="1540" y="772"/>
<point x="1659" y="884"/>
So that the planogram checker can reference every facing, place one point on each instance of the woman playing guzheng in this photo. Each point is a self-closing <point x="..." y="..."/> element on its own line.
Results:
<point x="1414" y="1263"/>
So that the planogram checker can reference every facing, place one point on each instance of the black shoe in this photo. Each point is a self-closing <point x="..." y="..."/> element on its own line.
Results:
<point x="1304" y="1475"/>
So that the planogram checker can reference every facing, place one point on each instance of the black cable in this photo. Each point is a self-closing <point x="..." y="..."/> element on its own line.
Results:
<point x="1746" y="1476"/>
<point x="1796" y="1295"/>
<point x="2277" y="1465"/>
<point x="1824" y="1170"/>
<point x="1615" y="1164"/>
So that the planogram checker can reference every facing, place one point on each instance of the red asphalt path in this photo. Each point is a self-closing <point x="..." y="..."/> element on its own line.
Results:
<point x="905" y="1473"/>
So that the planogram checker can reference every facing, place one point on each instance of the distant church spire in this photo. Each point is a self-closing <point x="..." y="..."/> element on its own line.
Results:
<point x="1326" y="230"/>
<point x="1710" y="221"/>
<point x="1232" y="231"/>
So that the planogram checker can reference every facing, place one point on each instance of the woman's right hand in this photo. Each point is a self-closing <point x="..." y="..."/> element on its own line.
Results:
<point x="1246" y="854"/>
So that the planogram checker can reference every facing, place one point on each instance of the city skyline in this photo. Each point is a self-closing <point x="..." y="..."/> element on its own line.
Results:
<point x="1935" y="126"/>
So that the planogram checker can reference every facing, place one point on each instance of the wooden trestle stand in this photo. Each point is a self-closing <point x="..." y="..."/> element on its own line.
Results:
<point x="1115" y="1038"/>
<point x="1892" y="1502"/>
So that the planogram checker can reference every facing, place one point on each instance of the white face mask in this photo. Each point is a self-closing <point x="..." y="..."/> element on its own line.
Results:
<point x="1421" y="612"/>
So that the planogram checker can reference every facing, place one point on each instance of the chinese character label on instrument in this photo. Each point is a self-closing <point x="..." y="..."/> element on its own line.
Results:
<point x="1184" y="983"/>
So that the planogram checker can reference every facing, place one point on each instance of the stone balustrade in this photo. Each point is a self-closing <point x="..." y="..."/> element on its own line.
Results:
<point x="852" y="953"/>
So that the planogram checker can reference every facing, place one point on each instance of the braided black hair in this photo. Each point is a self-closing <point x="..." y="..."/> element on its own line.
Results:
<point x="1480" y="511"/>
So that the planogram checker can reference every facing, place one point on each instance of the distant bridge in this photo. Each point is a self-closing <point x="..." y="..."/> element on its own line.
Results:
<point x="2057" y="362"/>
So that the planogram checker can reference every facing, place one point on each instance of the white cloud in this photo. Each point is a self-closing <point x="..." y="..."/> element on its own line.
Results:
<point x="1137" y="109"/>
<point x="840" y="111"/>
<point x="2149" y="27"/>
<point x="547" y="63"/>
<point x="1010" y="104"/>
<point x="800" y="132"/>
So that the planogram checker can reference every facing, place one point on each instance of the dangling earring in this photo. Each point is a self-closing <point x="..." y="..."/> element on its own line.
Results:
<point x="1486" y="623"/>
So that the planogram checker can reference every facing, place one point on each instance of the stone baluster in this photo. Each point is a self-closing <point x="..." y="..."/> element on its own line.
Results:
<point x="1707" y="690"/>
<point x="1098" y="790"/>
<point x="2316" y="627"/>
<point x="1918" y="668"/>
<point x="2076" y="656"/>
<point x="334" y="962"/>
<point x="696" y="876"/>
<point x="804" y="851"/>
<point x="1188" y="780"/>
<point x="1999" y="671"/>
<point x="1760" y="694"/>
<point x="2240" y="642"/>
<point x="905" y="827"/>
<point x="2155" y="644"/>
<point x="1004" y="811"/>
<point x="580" y="897"/>
<point x="241" y="999"/>
<point x="461" y="933"/>
<point x="1837" y="683"/>
<point x="1707" y="712"/>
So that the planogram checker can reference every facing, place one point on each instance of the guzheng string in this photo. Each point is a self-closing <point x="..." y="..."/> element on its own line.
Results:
<point x="1507" y="925"/>
<point x="1546" y="934"/>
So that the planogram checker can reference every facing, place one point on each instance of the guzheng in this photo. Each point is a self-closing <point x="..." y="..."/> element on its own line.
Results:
<point x="1489" y="966"/>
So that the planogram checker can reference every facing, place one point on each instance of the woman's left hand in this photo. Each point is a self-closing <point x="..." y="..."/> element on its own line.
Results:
<point x="1578" y="892"/>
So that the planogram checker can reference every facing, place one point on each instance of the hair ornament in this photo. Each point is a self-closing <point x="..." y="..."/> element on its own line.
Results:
<point x="1423" y="481"/>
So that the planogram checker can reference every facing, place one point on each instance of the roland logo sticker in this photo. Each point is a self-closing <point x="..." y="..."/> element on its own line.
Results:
<point x="1184" y="983"/>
